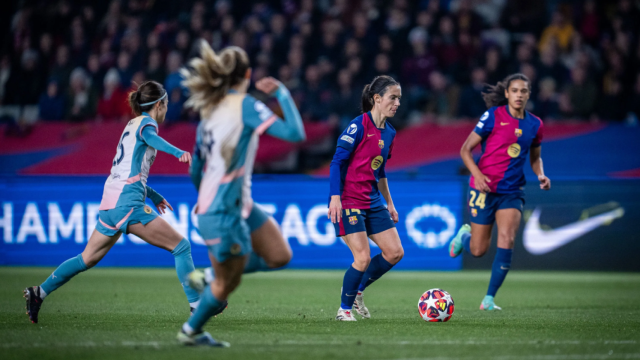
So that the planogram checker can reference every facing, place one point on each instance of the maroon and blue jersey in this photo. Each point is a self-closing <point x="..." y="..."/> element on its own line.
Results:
<point x="359" y="162"/>
<point x="505" y="147"/>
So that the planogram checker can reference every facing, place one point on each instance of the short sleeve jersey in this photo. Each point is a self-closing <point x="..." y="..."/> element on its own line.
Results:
<point x="505" y="147"/>
<point x="370" y="147"/>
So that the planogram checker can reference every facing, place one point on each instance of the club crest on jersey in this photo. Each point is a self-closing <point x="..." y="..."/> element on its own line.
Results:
<point x="474" y="212"/>
<point x="235" y="249"/>
<point x="381" y="143"/>
<point x="376" y="162"/>
<point x="353" y="220"/>
<point x="147" y="209"/>
<point x="518" y="132"/>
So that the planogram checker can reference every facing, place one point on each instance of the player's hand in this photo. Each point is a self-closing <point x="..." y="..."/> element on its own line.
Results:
<point x="545" y="183"/>
<point x="268" y="85"/>
<point x="393" y="213"/>
<point x="163" y="205"/>
<point x="185" y="158"/>
<point x="482" y="183"/>
<point x="335" y="209"/>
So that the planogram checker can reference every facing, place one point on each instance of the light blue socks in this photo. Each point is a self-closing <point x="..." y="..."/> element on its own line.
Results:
<point x="62" y="274"/>
<point x="184" y="266"/>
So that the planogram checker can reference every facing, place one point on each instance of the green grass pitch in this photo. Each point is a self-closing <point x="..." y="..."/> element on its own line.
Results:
<point x="135" y="313"/>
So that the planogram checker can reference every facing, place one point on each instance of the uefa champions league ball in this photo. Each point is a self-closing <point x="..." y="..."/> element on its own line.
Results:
<point x="435" y="305"/>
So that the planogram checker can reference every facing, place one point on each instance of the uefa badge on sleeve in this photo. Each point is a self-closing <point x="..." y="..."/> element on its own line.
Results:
<point x="353" y="220"/>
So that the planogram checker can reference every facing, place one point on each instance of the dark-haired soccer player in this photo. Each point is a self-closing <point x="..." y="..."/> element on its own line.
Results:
<point x="508" y="134"/>
<point x="357" y="180"/>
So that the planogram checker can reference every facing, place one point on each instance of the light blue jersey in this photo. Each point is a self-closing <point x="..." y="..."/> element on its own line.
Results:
<point x="226" y="145"/>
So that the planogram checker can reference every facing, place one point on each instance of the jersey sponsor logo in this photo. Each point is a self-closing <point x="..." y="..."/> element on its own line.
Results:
<point x="503" y="124"/>
<point x="376" y="162"/>
<point x="539" y="242"/>
<point x="147" y="209"/>
<point x="518" y="132"/>
<point x="353" y="220"/>
<point x="480" y="125"/>
<point x="484" y="116"/>
<point x="348" y="139"/>
<point x="352" y="129"/>
<point x="514" y="150"/>
<point x="381" y="144"/>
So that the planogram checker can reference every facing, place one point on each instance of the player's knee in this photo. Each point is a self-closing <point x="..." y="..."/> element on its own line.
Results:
<point x="362" y="260"/>
<point x="478" y="250"/>
<point x="506" y="239"/>
<point x="394" y="256"/>
<point x="279" y="261"/>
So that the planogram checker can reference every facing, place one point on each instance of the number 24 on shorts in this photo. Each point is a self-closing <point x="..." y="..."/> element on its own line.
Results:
<point x="479" y="202"/>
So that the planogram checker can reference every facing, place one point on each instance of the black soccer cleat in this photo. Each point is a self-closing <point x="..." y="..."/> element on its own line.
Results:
<point x="34" y="301"/>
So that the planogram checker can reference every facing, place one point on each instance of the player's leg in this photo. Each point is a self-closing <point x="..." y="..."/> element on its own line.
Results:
<point x="159" y="233"/>
<point x="358" y="243"/>
<point x="227" y="237"/>
<point x="508" y="221"/>
<point x="97" y="247"/>
<point x="270" y="249"/>
<point x="475" y="239"/>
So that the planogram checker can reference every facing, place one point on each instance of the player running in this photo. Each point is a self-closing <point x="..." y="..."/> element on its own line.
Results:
<point x="226" y="144"/>
<point x="357" y="180"/>
<point x="508" y="133"/>
<point x="123" y="206"/>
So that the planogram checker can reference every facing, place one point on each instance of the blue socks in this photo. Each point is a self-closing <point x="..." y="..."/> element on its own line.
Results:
<point x="63" y="273"/>
<point x="499" y="270"/>
<point x="352" y="279"/>
<point x="255" y="263"/>
<point x="378" y="267"/>
<point x="184" y="266"/>
<point x="466" y="241"/>
<point x="209" y="306"/>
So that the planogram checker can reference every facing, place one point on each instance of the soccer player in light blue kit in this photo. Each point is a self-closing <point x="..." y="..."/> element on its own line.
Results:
<point x="123" y="206"/>
<point x="226" y="145"/>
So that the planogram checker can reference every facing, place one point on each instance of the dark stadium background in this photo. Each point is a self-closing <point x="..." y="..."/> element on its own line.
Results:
<point x="66" y="66"/>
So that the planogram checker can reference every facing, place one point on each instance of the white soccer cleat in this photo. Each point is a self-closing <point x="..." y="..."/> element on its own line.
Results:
<point x="360" y="307"/>
<point x="345" y="315"/>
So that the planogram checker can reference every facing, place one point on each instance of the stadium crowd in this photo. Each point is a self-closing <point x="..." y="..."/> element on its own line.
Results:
<point x="76" y="60"/>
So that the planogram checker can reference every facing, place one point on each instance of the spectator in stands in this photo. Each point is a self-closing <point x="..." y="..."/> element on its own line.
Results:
<point x="442" y="98"/>
<point x="45" y="51"/>
<point x="175" y="106"/>
<point x="95" y="72"/>
<point x="174" y="62"/>
<point x="124" y="68"/>
<point x="471" y="104"/>
<point x="546" y="105"/>
<point x="81" y="100"/>
<point x="494" y="66"/>
<point x="549" y="65"/>
<point x="589" y="24"/>
<point x="445" y="46"/>
<point x="581" y="94"/>
<point x="51" y="104"/>
<point x="25" y="85"/>
<point x="155" y="71"/>
<point x="113" y="101"/>
<point x="62" y="68"/>
<point x="634" y="102"/>
<point x="611" y="105"/>
<point x="343" y="102"/>
<point x="316" y="97"/>
<point x="5" y="74"/>
<point x="559" y="32"/>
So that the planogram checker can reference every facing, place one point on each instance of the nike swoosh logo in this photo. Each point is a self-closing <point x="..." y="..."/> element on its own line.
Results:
<point x="503" y="268"/>
<point x="539" y="242"/>
<point x="350" y="295"/>
<point x="370" y="135"/>
<point x="503" y="124"/>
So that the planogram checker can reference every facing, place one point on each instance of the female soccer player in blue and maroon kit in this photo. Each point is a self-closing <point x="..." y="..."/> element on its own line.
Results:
<point x="508" y="133"/>
<point x="357" y="181"/>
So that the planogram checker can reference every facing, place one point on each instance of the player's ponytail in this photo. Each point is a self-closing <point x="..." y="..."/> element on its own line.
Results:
<point x="495" y="94"/>
<point x="379" y="86"/>
<point x="210" y="76"/>
<point x="146" y="96"/>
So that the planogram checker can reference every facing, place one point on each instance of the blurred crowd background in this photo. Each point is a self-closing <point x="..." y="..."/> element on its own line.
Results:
<point x="76" y="60"/>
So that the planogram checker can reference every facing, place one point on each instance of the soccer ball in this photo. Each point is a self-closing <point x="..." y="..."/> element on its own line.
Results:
<point x="435" y="305"/>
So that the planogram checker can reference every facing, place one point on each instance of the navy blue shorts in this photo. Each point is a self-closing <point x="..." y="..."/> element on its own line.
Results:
<point x="483" y="206"/>
<point x="373" y="221"/>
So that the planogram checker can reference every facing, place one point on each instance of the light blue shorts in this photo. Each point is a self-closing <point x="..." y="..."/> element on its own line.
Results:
<point x="225" y="235"/>
<point x="256" y="218"/>
<point x="113" y="221"/>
